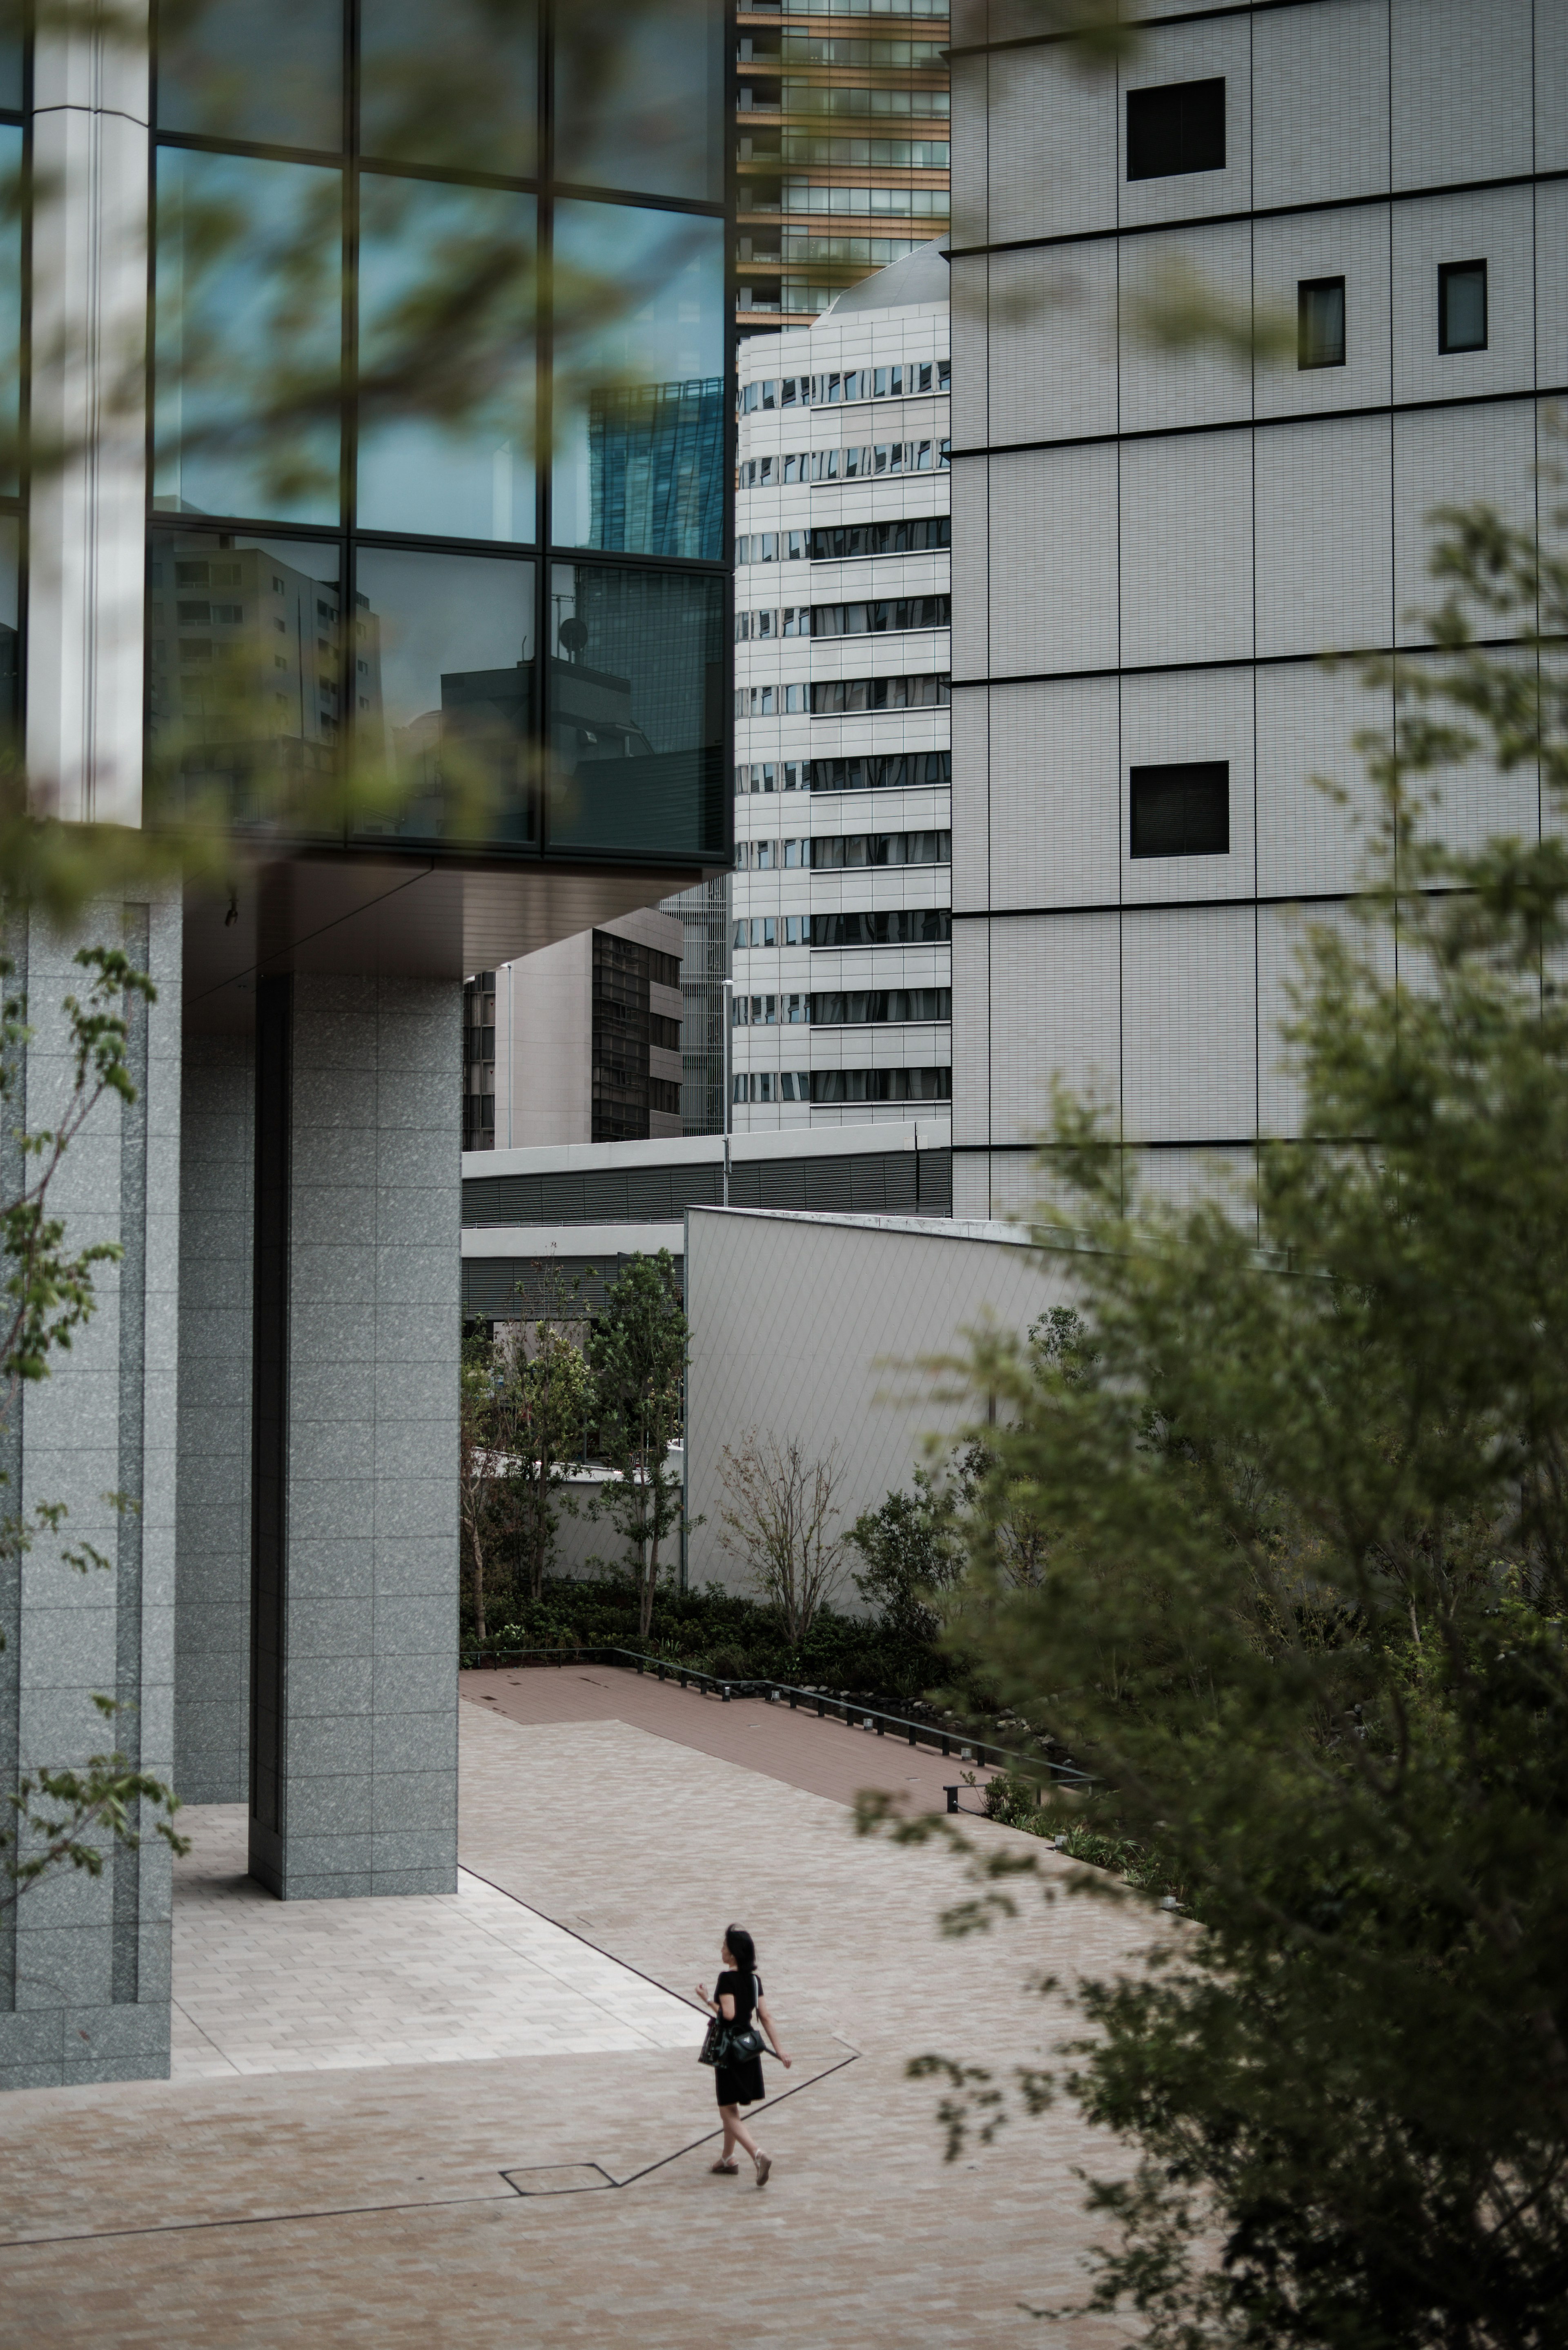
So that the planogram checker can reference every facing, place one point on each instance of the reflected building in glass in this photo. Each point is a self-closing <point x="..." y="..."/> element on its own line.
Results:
<point x="411" y="582"/>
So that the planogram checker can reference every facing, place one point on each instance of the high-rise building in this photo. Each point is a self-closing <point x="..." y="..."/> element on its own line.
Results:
<point x="842" y="151"/>
<point x="578" y="1043"/>
<point x="526" y="654"/>
<point x="841" y="891"/>
<point x="1153" y="547"/>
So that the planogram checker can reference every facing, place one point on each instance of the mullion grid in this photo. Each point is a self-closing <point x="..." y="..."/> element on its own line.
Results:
<point x="352" y="163"/>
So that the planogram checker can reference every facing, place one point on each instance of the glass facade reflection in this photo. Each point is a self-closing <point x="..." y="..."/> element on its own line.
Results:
<point x="647" y="368"/>
<point x="637" y="661"/>
<point x="350" y="204"/>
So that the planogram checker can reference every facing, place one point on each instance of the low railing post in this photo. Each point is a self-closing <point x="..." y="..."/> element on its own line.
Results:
<point x="951" y="1793"/>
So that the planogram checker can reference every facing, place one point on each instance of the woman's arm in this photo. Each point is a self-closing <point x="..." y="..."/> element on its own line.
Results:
<point x="724" y="2005"/>
<point x="768" y="2025"/>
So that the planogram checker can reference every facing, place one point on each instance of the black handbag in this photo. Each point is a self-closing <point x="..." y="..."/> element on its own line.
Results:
<point x="729" y="2044"/>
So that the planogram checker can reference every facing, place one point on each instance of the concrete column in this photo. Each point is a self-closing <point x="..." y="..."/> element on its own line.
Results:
<point x="84" y="1963"/>
<point x="212" y="1556"/>
<point x="86" y="529"/>
<point x="353" y="1774"/>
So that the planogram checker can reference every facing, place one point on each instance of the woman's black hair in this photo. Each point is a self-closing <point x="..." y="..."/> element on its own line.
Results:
<point x="742" y="1950"/>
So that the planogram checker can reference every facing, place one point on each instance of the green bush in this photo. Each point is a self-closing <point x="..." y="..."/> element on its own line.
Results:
<point x="714" y="1630"/>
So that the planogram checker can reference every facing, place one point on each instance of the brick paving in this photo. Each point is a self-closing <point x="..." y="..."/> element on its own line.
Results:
<point x="371" y="2205"/>
<point x="827" y="1758"/>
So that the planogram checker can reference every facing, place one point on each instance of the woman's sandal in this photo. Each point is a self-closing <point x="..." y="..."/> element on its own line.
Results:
<point x="722" y="2169"/>
<point x="764" y="2164"/>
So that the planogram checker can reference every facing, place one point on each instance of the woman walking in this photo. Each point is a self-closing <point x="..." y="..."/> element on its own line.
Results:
<point x="737" y="1996"/>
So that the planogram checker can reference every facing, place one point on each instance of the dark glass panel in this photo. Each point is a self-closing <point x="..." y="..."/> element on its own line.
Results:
<point x="1181" y="810"/>
<point x="11" y="82"/>
<point x="639" y="96"/>
<point x="1177" y="127"/>
<point x="10" y="628"/>
<point x="249" y="337"/>
<point x="11" y="196"/>
<point x="246" y="696"/>
<point x="456" y="83"/>
<point x="1461" y="306"/>
<point x="639" y="384"/>
<point x="636" y="685"/>
<point x="446" y="270"/>
<point x="1320" y="322"/>
<point x="444" y="693"/>
<point x="268" y="71"/>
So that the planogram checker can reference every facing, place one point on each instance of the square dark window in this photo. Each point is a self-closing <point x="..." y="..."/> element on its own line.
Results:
<point x="1178" y="128"/>
<point x="1183" y="810"/>
<point x="1461" y="306"/>
<point x="1320" y="322"/>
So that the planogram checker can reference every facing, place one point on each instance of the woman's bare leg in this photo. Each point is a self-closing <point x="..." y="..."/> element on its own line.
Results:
<point x="736" y="2133"/>
<point x="728" y="2116"/>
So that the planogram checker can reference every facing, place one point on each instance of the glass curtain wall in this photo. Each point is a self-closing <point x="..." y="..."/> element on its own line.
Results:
<point x="505" y="596"/>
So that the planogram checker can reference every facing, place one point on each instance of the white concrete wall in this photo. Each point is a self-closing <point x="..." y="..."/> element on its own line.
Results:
<point x="814" y="1327"/>
<point x="1151" y="549"/>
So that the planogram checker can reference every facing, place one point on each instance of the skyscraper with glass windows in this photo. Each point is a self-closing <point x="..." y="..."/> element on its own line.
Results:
<point x="841" y="892"/>
<point x="425" y="587"/>
<point x="842" y="145"/>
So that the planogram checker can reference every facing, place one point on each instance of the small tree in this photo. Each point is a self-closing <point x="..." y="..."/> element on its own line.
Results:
<point x="477" y="1464"/>
<point x="777" y="1521"/>
<point x="637" y="1355"/>
<point x="64" y="1817"/>
<point x="548" y="1398"/>
<point x="911" y="1557"/>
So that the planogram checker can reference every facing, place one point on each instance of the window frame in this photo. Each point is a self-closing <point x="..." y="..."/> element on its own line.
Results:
<point x="1306" y="286"/>
<point x="1446" y="272"/>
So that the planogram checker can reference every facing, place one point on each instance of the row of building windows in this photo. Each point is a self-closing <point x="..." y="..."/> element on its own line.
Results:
<point x="851" y="542"/>
<point x="897" y="926"/>
<point x="886" y="771"/>
<point x="843" y="1084"/>
<point x="858" y="464"/>
<point x="903" y="204"/>
<point x="843" y="98"/>
<point x="843" y="696"/>
<point x="880" y="616"/>
<point x="861" y="1007"/>
<point x="835" y="852"/>
<point x="826" y="50"/>
<point x="905" y="381"/>
<point x="868" y="154"/>
<point x="1461" y="313"/>
<point x="798" y="245"/>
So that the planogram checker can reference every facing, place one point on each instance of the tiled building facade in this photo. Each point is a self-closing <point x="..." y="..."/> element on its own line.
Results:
<point x="840" y="896"/>
<point x="1152" y="548"/>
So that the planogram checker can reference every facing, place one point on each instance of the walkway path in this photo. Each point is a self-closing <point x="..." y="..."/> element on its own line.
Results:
<point x="374" y="2206"/>
<point x="824" y="1757"/>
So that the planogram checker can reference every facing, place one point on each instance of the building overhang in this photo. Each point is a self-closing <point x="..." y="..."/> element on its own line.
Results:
<point x="369" y="916"/>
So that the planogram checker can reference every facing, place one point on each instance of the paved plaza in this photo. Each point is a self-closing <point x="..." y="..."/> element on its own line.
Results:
<point x="376" y="2105"/>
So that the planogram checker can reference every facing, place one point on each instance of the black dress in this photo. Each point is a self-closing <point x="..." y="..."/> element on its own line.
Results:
<point x="739" y="2085"/>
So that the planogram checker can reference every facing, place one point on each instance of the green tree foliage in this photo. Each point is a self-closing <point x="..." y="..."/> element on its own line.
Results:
<point x="637" y="1355"/>
<point x="911" y="1557"/>
<point x="1302" y="1607"/>
<point x="63" y="1817"/>
<point x="550" y="1402"/>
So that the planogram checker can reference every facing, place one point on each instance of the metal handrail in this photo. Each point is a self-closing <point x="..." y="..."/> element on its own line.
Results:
<point x="981" y="1751"/>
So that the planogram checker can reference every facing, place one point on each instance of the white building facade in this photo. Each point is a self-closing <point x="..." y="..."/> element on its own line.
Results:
<point x="840" y="902"/>
<point x="1153" y="549"/>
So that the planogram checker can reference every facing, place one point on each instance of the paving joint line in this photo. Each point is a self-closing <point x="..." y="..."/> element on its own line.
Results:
<point x="432" y="2203"/>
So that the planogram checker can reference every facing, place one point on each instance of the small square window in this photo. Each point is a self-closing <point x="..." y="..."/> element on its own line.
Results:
<point x="1178" y="128"/>
<point x="1320" y="322"/>
<point x="1461" y="306"/>
<point x="1182" y="810"/>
